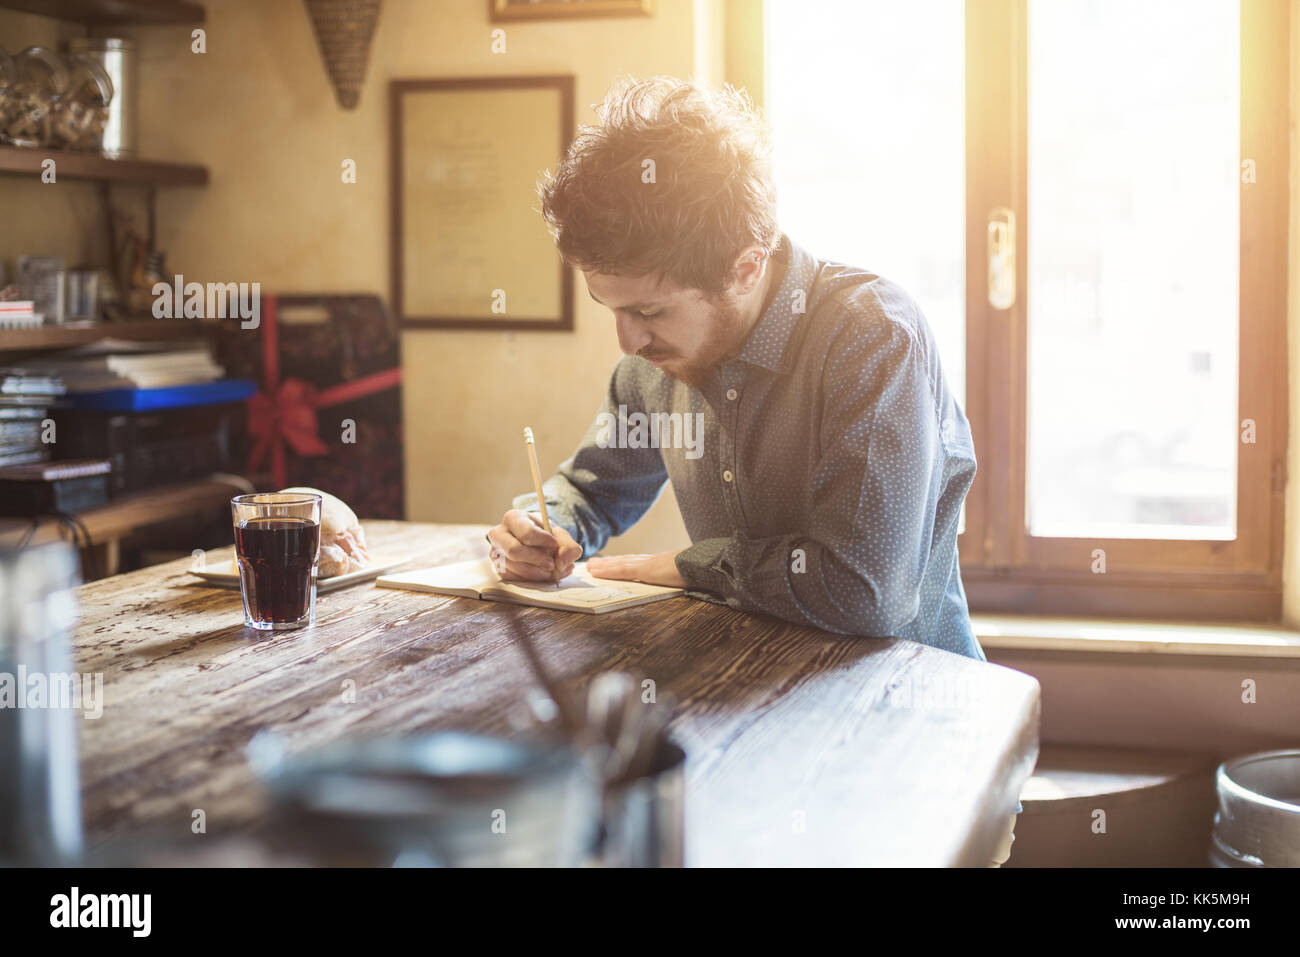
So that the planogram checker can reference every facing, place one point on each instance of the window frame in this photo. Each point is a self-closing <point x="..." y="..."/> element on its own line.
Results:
<point x="1004" y="568"/>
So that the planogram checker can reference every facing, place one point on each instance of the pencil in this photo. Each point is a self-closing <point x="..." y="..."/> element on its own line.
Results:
<point x="570" y="718"/>
<point x="531" y="446"/>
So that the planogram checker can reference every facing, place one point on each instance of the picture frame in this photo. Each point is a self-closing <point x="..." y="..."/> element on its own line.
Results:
<point x="508" y="10"/>
<point x="468" y="249"/>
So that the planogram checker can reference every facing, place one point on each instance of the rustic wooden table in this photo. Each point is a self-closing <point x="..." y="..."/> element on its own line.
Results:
<point x="804" y="748"/>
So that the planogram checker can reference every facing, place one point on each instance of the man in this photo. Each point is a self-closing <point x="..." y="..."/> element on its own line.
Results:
<point x="826" y="485"/>
<point x="826" y="481"/>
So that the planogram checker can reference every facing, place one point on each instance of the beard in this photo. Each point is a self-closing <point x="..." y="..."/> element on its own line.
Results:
<point x="722" y="339"/>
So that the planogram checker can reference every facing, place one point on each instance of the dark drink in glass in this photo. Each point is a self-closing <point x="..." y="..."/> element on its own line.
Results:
<point x="277" y="547"/>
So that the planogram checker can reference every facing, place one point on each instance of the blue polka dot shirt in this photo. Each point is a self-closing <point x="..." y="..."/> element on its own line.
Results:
<point x="820" y="473"/>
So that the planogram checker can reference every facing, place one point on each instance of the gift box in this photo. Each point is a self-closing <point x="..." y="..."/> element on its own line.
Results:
<point x="329" y="410"/>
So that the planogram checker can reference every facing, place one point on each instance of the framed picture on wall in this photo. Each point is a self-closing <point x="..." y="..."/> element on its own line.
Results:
<point x="556" y="9"/>
<point x="469" y="249"/>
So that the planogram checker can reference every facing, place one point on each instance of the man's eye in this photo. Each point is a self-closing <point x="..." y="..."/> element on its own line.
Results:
<point x="650" y="315"/>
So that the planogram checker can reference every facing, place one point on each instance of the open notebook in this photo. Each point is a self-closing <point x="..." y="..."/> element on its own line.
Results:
<point x="579" y="592"/>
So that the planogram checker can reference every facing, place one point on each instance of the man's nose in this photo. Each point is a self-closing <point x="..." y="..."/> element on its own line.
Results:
<point x="632" y="336"/>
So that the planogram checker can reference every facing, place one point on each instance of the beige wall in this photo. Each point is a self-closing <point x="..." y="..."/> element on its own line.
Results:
<point x="259" y="111"/>
<point x="1162" y="701"/>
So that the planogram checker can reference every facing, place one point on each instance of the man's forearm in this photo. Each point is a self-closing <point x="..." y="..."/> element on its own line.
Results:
<point x="800" y="580"/>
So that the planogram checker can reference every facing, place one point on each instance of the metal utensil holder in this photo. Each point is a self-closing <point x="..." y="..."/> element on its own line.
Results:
<point x="644" y="819"/>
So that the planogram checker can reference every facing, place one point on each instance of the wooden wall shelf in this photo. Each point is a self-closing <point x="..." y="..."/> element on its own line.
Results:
<point x="135" y="510"/>
<point x="70" y="164"/>
<point x="108" y="524"/>
<point x="105" y="13"/>
<point x="141" y="330"/>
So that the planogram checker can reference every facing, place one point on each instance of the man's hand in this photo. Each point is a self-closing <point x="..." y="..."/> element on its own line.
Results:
<point x="660" y="569"/>
<point x="523" y="551"/>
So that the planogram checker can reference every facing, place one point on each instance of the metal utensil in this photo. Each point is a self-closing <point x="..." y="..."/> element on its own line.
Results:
<point x="650" y="733"/>
<point x="631" y="719"/>
<point x="607" y="713"/>
<point x="573" y="723"/>
<point x="640" y="771"/>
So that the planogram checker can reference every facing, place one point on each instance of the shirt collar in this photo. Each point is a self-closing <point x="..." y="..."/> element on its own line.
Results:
<point x="766" y="345"/>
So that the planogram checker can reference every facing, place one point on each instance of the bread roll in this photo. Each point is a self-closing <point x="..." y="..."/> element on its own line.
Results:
<point x="343" y="543"/>
<point x="333" y="561"/>
<point x="335" y="516"/>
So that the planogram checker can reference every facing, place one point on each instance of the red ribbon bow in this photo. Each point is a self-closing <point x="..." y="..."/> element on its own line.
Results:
<point x="284" y="413"/>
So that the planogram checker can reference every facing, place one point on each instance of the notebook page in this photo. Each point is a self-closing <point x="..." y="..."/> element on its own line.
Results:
<point x="579" y="590"/>
<point x="467" y="579"/>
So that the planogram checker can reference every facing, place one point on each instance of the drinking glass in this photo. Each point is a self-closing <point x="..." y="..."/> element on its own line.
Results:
<point x="277" y="547"/>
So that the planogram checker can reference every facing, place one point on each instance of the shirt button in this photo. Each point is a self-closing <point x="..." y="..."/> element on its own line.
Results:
<point x="726" y="475"/>
<point x="731" y="394"/>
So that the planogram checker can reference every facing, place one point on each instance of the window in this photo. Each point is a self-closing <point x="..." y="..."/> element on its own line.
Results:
<point x="873" y="175"/>
<point x="1131" y="268"/>
<point x="1126" y="385"/>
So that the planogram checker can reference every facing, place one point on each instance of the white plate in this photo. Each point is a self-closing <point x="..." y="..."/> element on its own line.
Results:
<point x="219" y="569"/>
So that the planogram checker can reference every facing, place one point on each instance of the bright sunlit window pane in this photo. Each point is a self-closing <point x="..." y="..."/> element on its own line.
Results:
<point x="866" y="100"/>
<point x="1133" y="268"/>
<point x="867" y="104"/>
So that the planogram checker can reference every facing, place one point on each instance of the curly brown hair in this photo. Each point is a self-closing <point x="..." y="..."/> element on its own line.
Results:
<point x="687" y="216"/>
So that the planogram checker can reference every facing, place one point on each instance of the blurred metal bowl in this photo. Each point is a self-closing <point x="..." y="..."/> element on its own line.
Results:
<point x="449" y="798"/>
<point x="1258" y="820"/>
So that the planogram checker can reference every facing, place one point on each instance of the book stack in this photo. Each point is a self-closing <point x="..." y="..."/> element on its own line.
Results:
<point x="19" y="314"/>
<point x="53" y="487"/>
<point x="26" y="399"/>
<point x="114" y="364"/>
<point x="159" y="412"/>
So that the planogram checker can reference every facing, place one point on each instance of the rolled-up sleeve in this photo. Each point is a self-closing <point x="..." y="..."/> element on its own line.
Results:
<point x="858" y="566"/>
<point x="603" y="490"/>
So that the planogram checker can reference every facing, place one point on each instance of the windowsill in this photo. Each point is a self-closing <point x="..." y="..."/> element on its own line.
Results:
<point x="1038" y="633"/>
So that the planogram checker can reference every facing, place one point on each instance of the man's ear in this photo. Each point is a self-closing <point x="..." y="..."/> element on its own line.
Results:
<point x="748" y="270"/>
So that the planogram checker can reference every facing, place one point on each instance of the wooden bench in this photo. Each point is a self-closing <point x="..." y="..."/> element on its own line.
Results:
<point x="1109" y="807"/>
